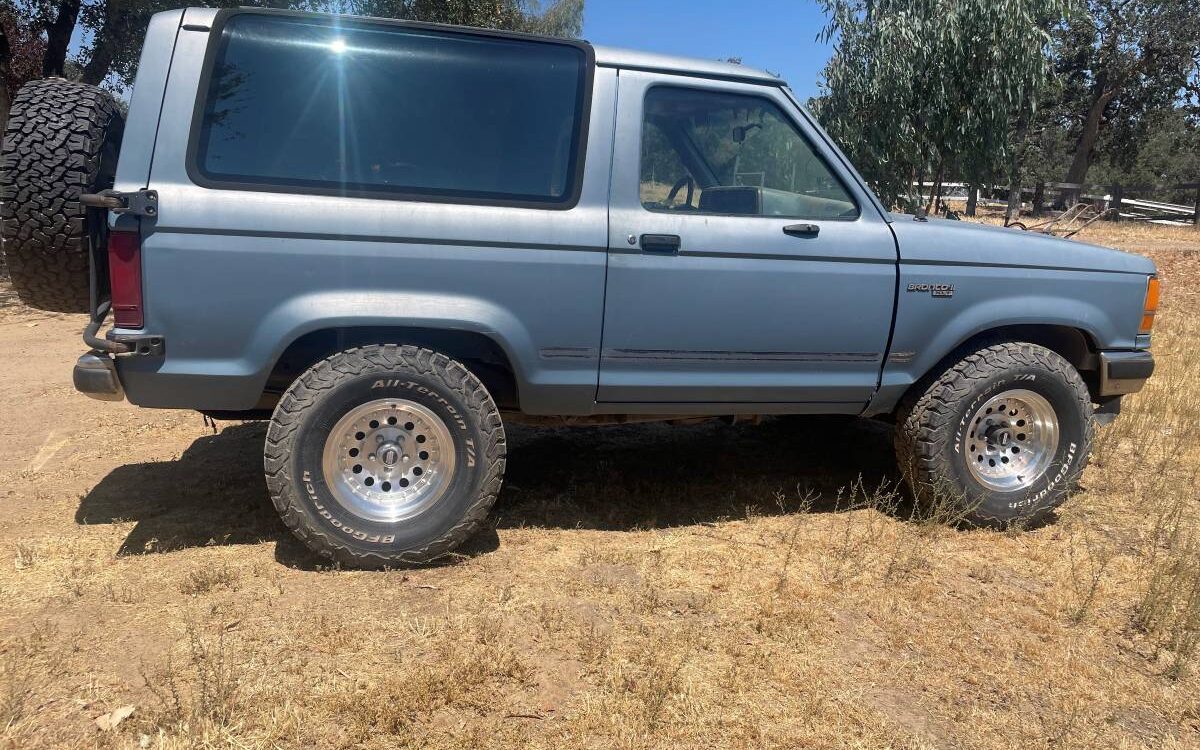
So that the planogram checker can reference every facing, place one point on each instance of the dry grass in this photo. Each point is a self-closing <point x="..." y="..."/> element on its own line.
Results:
<point x="646" y="586"/>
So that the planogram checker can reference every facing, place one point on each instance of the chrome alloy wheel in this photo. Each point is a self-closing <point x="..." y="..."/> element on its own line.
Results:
<point x="388" y="460"/>
<point x="1011" y="440"/>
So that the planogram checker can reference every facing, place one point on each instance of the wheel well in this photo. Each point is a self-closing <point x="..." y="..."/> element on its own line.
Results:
<point x="480" y="354"/>
<point x="1072" y="344"/>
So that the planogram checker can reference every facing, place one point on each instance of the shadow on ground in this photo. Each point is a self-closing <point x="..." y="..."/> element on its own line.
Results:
<point x="610" y="478"/>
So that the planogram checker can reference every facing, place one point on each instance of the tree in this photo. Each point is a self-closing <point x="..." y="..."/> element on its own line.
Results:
<point x="919" y="89"/>
<point x="1119" y="61"/>
<point x="21" y="54"/>
<point x="114" y="29"/>
<point x="1169" y="154"/>
<point x="562" y="18"/>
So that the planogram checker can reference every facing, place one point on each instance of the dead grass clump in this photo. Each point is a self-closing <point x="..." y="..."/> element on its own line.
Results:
<point x="200" y="693"/>
<point x="25" y="555"/>
<point x="23" y="670"/>
<point x="15" y="688"/>
<point x="1151" y="453"/>
<point x="206" y="579"/>
<point x="1089" y="560"/>
<point x="1168" y="610"/>
<point x="463" y="666"/>
<point x="882" y="535"/>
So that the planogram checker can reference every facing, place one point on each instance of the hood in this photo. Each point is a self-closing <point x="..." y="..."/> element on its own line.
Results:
<point x="969" y="243"/>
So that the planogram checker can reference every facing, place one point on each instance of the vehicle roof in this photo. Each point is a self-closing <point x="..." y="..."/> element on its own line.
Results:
<point x="615" y="57"/>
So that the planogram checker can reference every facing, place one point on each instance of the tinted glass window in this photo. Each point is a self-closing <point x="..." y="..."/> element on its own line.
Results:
<point x="340" y="107"/>
<point x="710" y="152"/>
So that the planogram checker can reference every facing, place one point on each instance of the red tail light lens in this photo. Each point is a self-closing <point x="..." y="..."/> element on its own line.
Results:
<point x="125" y="273"/>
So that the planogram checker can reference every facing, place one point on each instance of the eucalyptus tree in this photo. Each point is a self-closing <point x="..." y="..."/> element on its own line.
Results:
<point x="917" y="90"/>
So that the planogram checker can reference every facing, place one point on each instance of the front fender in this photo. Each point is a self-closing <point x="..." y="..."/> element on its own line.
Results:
<point x="1103" y="305"/>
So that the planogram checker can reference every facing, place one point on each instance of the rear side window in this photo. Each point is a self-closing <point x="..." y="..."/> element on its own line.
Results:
<point x="343" y="107"/>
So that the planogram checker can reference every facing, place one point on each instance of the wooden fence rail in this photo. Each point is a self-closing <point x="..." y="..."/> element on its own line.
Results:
<point x="1068" y="193"/>
<point x="1074" y="191"/>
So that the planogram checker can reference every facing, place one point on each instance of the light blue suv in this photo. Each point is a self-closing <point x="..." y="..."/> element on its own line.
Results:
<point x="391" y="238"/>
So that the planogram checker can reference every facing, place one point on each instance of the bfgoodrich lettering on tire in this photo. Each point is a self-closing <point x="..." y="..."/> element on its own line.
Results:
<point x="385" y="455"/>
<point x="1004" y="433"/>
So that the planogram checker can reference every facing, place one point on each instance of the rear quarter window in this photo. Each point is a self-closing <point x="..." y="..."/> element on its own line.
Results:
<point x="352" y="107"/>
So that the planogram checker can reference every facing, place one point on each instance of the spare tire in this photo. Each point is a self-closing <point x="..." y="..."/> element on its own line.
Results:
<point x="62" y="140"/>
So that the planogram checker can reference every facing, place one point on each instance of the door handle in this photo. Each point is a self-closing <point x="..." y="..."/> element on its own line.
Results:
<point x="802" y="230"/>
<point x="660" y="243"/>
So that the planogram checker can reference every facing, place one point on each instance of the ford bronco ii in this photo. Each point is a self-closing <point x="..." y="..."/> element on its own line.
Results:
<point x="390" y="238"/>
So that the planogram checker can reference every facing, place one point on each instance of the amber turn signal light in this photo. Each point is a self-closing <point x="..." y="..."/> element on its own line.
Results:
<point x="1151" y="306"/>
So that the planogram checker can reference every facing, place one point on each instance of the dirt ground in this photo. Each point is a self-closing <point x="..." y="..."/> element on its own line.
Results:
<point x="650" y="586"/>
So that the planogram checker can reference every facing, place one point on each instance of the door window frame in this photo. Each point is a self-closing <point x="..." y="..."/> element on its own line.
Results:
<point x="624" y="197"/>
<point x="783" y="108"/>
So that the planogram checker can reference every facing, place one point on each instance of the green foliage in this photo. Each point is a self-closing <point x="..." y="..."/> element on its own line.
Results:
<point x="1169" y="154"/>
<point x="1121" y="63"/>
<point x="562" y="18"/>
<point x="918" y="89"/>
<point x="24" y="46"/>
<point x="114" y="29"/>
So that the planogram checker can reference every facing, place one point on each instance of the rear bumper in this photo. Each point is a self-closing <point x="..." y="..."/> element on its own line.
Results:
<point x="1124" y="372"/>
<point x="95" y="375"/>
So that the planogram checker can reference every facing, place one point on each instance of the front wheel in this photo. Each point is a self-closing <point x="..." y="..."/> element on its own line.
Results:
<point x="1002" y="435"/>
<point x="385" y="455"/>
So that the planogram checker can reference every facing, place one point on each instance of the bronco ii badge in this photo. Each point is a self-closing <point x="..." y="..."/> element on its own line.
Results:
<point x="935" y="290"/>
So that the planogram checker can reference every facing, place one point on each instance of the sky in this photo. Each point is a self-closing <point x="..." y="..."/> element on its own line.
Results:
<point x="778" y="35"/>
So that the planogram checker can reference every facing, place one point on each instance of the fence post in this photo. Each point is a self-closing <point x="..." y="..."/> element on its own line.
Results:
<point x="1118" y="193"/>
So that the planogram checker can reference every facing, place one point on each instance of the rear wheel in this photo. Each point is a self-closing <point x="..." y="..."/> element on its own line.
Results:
<point x="61" y="140"/>
<point x="385" y="455"/>
<point x="1001" y="435"/>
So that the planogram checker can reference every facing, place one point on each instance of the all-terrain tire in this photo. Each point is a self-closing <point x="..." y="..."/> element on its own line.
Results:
<point x="935" y="421"/>
<point x="310" y="410"/>
<point x="61" y="140"/>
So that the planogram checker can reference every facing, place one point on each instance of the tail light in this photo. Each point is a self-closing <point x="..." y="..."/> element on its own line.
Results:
<point x="125" y="275"/>
<point x="1151" y="306"/>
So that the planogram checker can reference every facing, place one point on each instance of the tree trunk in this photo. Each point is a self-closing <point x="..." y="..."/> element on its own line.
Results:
<point x="1086" y="146"/>
<point x="5" y="94"/>
<point x="116" y="19"/>
<point x="936" y="191"/>
<point x="100" y="64"/>
<point x="1013" y="209"/>
<point x="58" y="38"/>
<point x="972" y="199"/>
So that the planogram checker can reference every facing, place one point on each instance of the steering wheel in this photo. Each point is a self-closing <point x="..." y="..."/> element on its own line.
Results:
<point x="691" y="188"/>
